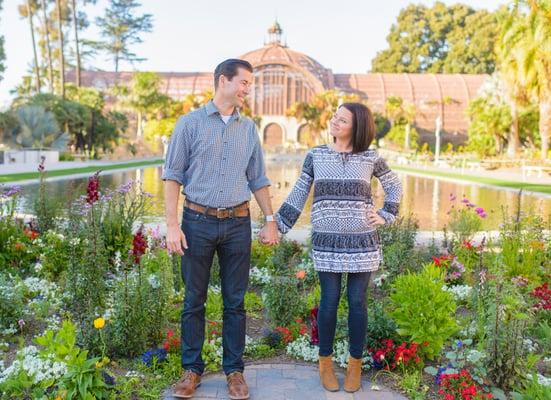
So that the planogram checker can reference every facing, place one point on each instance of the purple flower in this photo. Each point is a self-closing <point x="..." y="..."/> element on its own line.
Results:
<point x="12" y="191"/>
<point x="125" y="188"/>
<point x="465" y="200"/>
<point x="459" y="344"/>
<point x="154" y="355"/>
<point x="438" y="377"/>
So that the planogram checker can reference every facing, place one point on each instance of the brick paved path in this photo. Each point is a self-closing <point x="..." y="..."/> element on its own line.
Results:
<point x="287" y="382"/>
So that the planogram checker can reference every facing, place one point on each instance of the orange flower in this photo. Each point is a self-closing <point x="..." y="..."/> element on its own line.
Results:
<point x="300" y="274"/>
<point x="19" y="246"/>
<point x="31" y="234"/>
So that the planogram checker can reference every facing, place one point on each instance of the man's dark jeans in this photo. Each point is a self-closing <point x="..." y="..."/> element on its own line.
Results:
<point x="230" y="238"/>
<point x="330" y="283"/>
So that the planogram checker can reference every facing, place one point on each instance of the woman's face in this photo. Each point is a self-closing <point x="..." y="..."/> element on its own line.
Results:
<point x="341" y="124"/>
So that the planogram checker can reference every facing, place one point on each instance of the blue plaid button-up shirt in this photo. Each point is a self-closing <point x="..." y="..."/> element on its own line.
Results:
<point x="218" y="164"/>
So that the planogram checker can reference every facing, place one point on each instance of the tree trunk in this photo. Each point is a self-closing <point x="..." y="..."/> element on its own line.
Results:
<point x="61" y="46"/>
<point x="513" y="144"/>
<point x="77" y="49"/>
<point x="36" y="67"/>
<point x="48" y="47"/>
<point x="140" y="123"/>
<point x="545" y="125"/>
<point x="408" y="130"/>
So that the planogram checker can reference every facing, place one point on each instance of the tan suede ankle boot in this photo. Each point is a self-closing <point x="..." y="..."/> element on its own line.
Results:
<point x="353" y="379"/>
<point x="327" y="374"/>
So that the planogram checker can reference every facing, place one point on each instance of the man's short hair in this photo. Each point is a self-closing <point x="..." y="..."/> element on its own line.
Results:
<point x="229" y="68"/>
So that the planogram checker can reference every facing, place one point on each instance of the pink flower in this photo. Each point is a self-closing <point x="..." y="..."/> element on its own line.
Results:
<point x="453" y="197"/>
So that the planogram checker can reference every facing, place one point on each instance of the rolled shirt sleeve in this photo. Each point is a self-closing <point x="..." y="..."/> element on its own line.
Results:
<point x="178" y="154"/>
<point x="256" y="169"/>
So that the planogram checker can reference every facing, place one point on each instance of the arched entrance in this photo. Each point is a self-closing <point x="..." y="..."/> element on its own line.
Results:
<point x="304" y="136"/>
<point x="273" y="135"/>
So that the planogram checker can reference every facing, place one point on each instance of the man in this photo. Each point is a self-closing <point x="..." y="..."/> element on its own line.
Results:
<point x="215" y="154"/>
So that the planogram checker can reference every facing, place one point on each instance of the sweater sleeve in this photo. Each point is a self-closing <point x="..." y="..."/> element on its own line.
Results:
<point x="290" y="210"/>
<point x="391" y="186"/>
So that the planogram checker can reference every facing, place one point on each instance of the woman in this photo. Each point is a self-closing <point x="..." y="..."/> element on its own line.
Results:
<point x="344" y="222"/>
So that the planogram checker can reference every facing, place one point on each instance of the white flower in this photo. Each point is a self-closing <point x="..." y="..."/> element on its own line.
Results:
<point x="38" y="367"/>
<point x="542" y="380"/>
<point x="302" y="349"/>
<point x="134" y="374"/>
<point x="153" y="281"/>
<point x="37" y="267"/>
<point x="459" y="292"/>
<point x="259" y="276"/>
<point x="117" y="261"/>
<point x="378" y="281"/>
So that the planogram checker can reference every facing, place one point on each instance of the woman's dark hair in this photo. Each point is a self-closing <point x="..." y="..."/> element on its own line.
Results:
<point x="363" y="126"/>
<point x="229" y="67"/>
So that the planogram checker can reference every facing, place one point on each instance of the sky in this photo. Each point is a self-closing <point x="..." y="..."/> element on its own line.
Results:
<point x="194" y="35"/>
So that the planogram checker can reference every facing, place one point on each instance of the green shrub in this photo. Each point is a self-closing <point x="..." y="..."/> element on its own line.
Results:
<point x="253" y="304"/>
<point x="141" y="305"/>
<point x="56" y="252"/>
<point x="398" y="241"/>
<point x="523" y="247"/>
<point x="380" y="326"/>
<point x="422" y="310"/>
<point x="284" y="300"/>
<point x="12" y="304"/>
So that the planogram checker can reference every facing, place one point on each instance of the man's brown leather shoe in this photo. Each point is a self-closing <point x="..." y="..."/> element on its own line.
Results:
<point x="237" y="387"/>
<point x="187" y="385"/>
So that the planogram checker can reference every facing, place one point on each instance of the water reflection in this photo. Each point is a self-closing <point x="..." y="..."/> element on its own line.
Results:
<point x="426" y="198"/>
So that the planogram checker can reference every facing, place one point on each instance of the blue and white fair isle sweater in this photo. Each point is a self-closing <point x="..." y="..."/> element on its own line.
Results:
<point x="342" y="238"/>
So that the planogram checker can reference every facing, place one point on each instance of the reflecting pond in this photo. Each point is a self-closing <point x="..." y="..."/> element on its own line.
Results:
<point x="428" y="199"/>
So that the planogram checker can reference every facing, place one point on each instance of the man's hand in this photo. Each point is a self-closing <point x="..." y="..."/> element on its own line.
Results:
<point x="269" y="234"/>
<point x="374" y="218"/>
<point x="175" y="240"/>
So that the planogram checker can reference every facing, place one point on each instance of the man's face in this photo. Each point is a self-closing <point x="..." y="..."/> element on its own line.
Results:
<point x="235" y="90"/>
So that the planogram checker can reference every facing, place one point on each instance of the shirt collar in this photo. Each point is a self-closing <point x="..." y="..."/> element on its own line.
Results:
<point x="211" y="109"/>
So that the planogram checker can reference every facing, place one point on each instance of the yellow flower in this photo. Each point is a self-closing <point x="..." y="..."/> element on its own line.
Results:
<point x="99" y="323"/>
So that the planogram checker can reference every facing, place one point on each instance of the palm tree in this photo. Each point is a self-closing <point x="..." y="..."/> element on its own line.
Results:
<point x="48" y="46"/>
<point x="26" y="10"/>
<point x="527" y="39"/>
<point x="401" y="113"/>
<point x="39" y="128"/>
<point x="61" y="47"/>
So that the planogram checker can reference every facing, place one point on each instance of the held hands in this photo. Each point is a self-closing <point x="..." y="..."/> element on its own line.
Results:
<point x="175" y="240"/>
<point x="373" y="218"/>
<point x="269" y="234"/>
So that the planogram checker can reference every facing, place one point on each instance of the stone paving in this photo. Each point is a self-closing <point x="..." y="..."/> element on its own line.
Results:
<point x="287" y="382"/>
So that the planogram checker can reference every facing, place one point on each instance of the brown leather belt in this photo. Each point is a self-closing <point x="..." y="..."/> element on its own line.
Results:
<point x="240" y="210"/>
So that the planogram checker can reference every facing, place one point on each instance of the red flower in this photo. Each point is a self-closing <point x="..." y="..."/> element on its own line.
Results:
<point x="543" y="293"/>
<point x="314" y="324"/>
<point x="92" y="190"/>
<point x="139" y="245"/>
<point x="171" y="343"/>
<point x="467" y="245"/>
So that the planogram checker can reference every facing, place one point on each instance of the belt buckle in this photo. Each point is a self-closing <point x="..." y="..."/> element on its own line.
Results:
<point x="219" y="211"/>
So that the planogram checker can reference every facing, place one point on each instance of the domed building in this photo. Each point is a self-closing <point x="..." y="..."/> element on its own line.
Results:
<point x="283" y="76"/>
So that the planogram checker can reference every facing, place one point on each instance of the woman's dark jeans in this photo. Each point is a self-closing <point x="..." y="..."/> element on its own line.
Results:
<point x="357" y="311"/>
